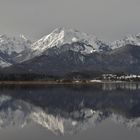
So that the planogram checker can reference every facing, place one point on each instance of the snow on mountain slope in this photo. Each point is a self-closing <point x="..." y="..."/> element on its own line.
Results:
<point x="62" y="36"/>
<point x="4" y="63"/>
<point x="128" y="40"/>
<point x="15" y="50"/>
<point x="10" y="45"/>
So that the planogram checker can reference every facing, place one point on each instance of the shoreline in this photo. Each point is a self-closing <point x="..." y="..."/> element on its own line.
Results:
<point x="63" y="83"/>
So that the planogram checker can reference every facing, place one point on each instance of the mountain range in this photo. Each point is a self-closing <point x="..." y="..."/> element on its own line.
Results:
<point x="66" y="51"/>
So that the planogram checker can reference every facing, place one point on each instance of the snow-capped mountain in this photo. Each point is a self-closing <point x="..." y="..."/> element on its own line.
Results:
<point x="11" y="45"/>
<point x="62" y="40"/>
<point x="88" y="43"/>
<point x="66" y="50"/>
<point x="63" y="36"/>
<point x="128" y="40"/>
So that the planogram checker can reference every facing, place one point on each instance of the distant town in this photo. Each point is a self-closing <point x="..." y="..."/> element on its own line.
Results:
<point x="71" y="79"/>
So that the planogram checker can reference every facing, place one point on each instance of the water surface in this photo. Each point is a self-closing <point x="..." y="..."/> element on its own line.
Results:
<point x="100" y="112"/>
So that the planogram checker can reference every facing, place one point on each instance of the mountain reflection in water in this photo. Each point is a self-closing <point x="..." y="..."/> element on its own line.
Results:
<point x="70" y="109"/>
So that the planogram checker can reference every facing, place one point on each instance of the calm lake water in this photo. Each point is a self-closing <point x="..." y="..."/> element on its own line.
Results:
<point x="99" y="112"/>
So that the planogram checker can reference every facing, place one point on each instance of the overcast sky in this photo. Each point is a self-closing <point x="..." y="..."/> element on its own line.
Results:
<point x="107" y="19"/>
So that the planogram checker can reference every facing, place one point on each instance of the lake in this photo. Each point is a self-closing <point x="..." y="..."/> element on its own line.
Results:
<point x="106" y="111"/>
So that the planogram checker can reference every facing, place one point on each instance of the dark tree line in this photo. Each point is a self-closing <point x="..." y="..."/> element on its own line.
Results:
<point x="26" y="77"/>
<point x="66" y="78"/>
